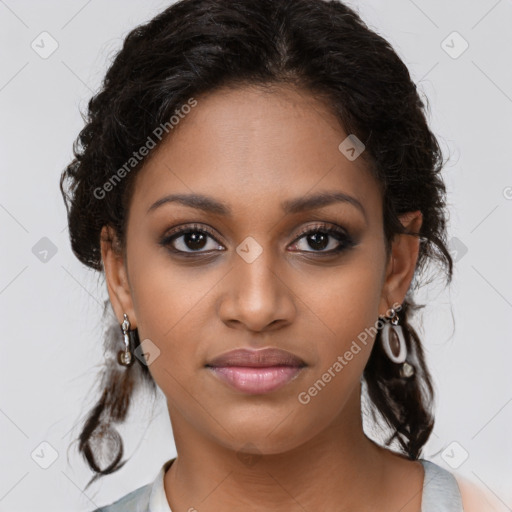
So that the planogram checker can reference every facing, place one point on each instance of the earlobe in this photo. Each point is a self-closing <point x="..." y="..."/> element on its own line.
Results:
<point x="402" y="260"/>
<point x="116" y="277"/>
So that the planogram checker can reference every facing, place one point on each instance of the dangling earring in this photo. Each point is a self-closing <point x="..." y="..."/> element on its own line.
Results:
<point x="125" y="357"/>
<point x="393" y="343"/>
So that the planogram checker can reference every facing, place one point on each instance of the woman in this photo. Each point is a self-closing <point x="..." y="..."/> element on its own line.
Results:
<point x="259" y="184"/>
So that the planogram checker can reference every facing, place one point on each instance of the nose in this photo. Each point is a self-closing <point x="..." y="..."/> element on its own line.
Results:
<point x="256" y="295"/>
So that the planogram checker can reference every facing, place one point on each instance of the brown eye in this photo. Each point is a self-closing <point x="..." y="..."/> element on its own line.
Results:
<point x="319" y="238"/>
<point x="191" y="240"/>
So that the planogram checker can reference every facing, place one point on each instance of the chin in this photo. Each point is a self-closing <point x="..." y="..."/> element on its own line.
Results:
<point x="261" y="433"/>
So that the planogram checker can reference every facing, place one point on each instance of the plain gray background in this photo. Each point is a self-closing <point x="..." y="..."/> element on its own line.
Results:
<point x="51" y="305"/>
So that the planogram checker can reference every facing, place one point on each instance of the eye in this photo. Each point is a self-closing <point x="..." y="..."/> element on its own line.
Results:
<point x="321" y="237"/>
<point x="191" y="239"/>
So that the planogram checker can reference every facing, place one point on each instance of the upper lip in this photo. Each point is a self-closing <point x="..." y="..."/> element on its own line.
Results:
<point x="265" y="357"/>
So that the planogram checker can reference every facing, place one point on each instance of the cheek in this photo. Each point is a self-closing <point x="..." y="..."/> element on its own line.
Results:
<point x="169" y="303"/>
<point x="345" y="302"/>
<point x="343" y="314"/>
<point x="166" y="296"/>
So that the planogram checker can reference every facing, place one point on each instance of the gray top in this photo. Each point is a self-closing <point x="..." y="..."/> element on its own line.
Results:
<point x="440" y="493"/>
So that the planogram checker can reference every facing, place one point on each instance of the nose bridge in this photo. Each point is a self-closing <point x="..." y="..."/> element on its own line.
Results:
<point x="256" y="295"/>
<point x="255" y="271"/>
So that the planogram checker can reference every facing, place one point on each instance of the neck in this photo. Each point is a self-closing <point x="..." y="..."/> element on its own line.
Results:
<point x="340" y="460"/>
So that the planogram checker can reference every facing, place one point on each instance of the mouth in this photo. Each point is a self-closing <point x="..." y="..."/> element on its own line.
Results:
<point x="256" y="371"/>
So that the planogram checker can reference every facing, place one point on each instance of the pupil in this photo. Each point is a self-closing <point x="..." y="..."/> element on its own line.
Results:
<point x="317" y="243"/>
<point x="195" y="240"/>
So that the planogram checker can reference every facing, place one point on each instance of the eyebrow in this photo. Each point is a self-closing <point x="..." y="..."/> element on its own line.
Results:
<point x="211" y="205"/>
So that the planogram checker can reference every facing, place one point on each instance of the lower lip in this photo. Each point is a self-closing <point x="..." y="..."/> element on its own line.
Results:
<point x="256" y="381"/>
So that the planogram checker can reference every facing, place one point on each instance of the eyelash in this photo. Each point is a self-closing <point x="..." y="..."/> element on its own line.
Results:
<point x="345" y="241"/>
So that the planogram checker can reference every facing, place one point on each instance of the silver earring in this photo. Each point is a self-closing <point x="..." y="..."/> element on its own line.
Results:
<point x="125" y="357"/>
<point x="394" y="345"/>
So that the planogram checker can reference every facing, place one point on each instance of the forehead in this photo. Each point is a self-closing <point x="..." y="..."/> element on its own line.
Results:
<point x="254" y="146"/>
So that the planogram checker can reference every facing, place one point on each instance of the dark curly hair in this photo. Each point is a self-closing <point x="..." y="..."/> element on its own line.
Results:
<point x="323" y="48"/>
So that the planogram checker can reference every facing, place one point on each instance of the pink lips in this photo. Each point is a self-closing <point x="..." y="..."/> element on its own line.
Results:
<point x="256" y="371"/>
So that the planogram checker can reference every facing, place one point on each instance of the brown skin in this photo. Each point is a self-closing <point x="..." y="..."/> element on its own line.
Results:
<point x="251" y="150"/>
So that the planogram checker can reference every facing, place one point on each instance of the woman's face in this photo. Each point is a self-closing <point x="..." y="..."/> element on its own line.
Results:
<point x="254" y="279"/>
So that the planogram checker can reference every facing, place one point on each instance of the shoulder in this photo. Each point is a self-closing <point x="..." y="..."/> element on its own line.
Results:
<point x="135" y="501"/>
<point x="441" y="491"/>
<point x="457" y="492"/>
<point x="476" y="499"/>
<point x="148" y="497"/>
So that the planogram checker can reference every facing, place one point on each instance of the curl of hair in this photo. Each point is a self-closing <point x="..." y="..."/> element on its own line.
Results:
<point x="322" y="47"/>
<point x="99" y="442"/>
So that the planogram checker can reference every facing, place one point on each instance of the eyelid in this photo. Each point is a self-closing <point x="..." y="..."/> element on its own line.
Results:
<point x="322" y="226"/>
<point x="184" y="228"/>
<point x="344" y="239"/>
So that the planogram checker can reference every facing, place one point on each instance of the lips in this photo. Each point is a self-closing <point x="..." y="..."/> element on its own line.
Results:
<point x="262" y="358"/>
<point x="256" y="372"/>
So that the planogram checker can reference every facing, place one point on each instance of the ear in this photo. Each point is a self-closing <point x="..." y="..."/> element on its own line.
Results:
<point x="402" y="262"/>
<point x="116" y="276"/>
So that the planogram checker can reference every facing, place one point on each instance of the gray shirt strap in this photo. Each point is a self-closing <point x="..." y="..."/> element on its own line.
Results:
<point x="441" y="492"/>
